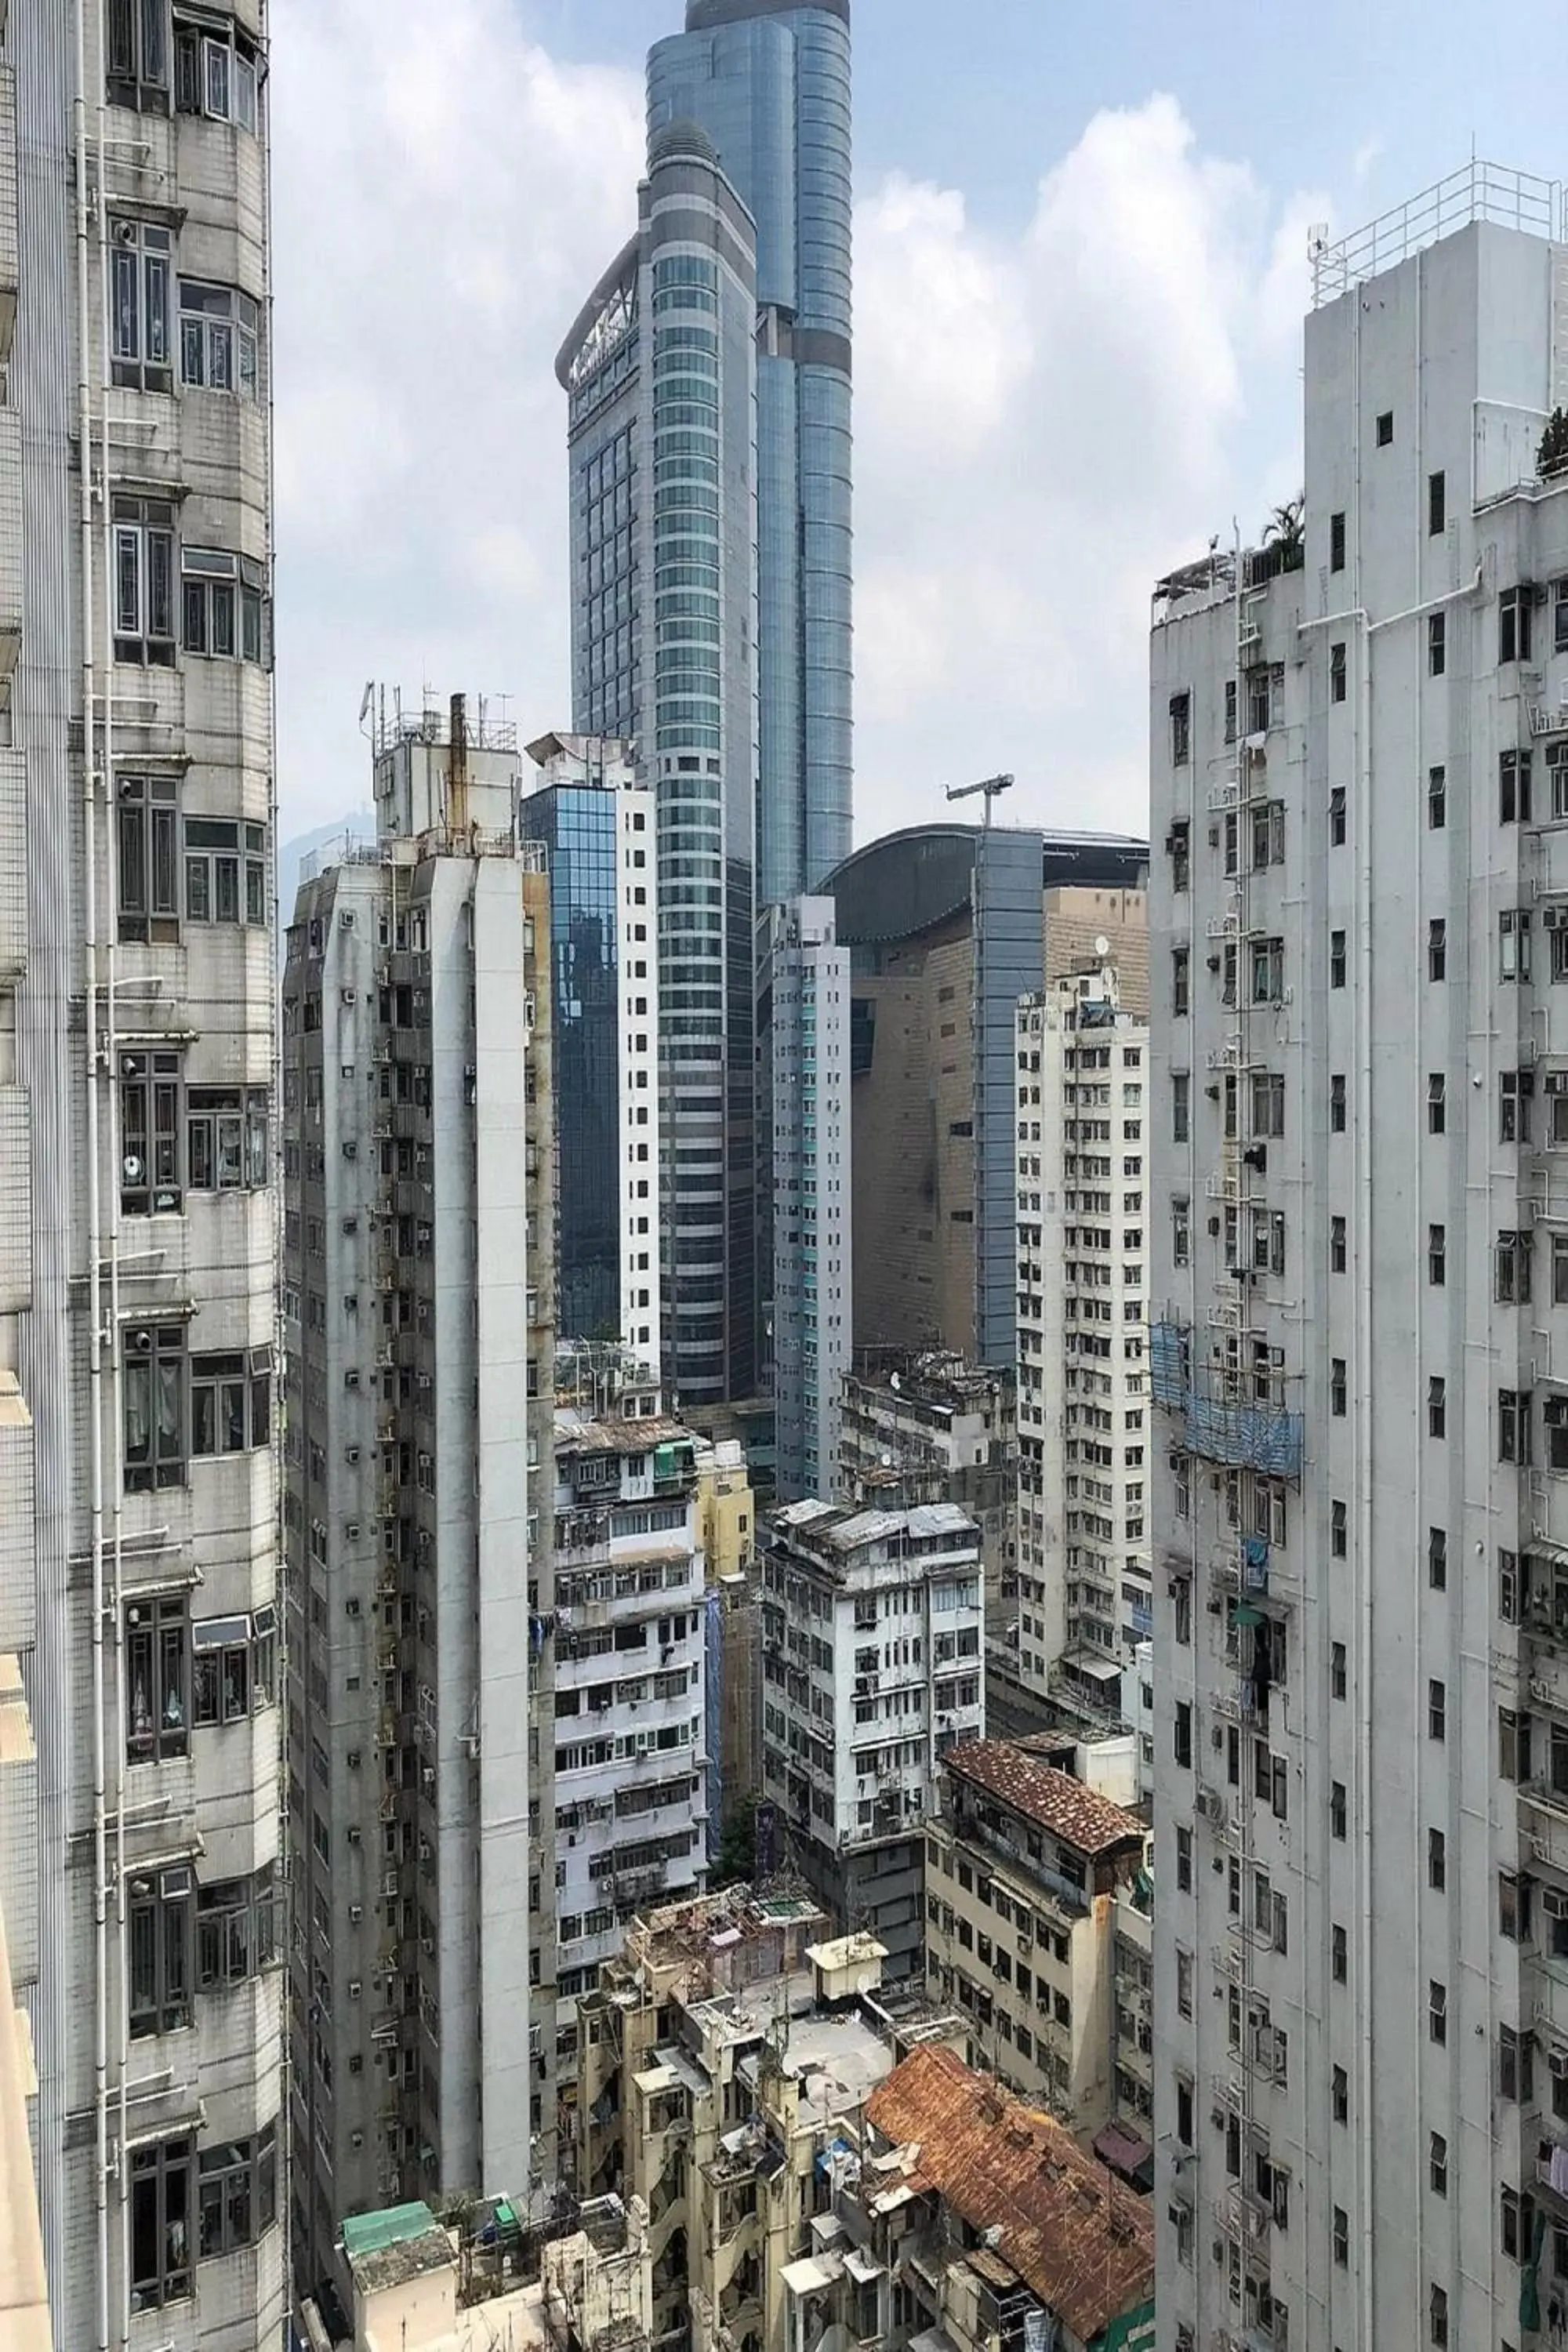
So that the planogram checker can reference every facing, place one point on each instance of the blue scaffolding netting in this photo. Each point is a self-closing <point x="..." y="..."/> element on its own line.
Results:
<point x="1215" y="1426"/>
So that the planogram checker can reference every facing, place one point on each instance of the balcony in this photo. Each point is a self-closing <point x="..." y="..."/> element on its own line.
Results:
<point x="1543" y="1819"/>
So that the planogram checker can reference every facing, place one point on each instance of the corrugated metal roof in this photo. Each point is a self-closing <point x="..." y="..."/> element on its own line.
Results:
<point x="1079" y="2239"/>
<point x="1069" y="1808"/>
<point x="579" y="1433"/>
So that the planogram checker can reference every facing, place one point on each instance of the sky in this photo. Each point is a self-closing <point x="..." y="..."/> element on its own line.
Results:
<point x="1080" y="271"/>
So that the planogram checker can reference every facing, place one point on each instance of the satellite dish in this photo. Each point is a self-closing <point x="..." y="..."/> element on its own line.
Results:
<point x="887" y="1459"/>
<point x="132" y="1168"/>
<point x="1102" y="946"/>
<point x="894" y="1381"/>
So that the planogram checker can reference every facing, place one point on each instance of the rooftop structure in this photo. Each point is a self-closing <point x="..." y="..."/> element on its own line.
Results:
<point x="418" y="2287"/>
<point x="1058" y="2223"/>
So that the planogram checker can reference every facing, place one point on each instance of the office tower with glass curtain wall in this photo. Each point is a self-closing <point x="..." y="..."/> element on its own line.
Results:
<point x="768" y="80"/>
<point x="1360" y="784"/>
<point x="660" y="368"/>
<point x="138" y="1495"/>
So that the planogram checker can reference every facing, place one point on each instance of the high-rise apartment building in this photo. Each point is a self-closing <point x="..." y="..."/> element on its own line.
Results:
<point x="1084" y="1439"/>
<point x="1359" y="890"/>
<point x="630" y="1728"/>
<point x="802" y="1046"/>
<point x="661" y="372"/>
<point x="768" y="80"/>
<point x="598" y="826"/>
<point x="138" y="1489"/>
<point x="417" y="1314"/>
<point x="872" y="1626"/>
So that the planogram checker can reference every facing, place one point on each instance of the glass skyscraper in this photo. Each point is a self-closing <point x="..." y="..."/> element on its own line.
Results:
<point x="660" y="368"/>
<point x="769" y="83"/>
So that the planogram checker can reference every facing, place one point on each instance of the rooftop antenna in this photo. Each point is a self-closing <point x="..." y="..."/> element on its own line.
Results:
<point x="991" y="787"/>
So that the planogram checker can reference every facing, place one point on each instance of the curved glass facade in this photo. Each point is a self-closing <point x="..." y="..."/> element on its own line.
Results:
<point x="770" y="87"/>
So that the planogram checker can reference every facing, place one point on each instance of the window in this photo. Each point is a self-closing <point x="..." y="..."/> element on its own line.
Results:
<point x="1437" y="1102"/>
<point x="218" y="330"/>
<point x="1436" y="1406"/>
<point x="1516" y="1092"/>
<point x="1336" y="542"/>
<point x="237" y="1925"/>
<point x="1437" y="643"/>
<point x="1438" y="1569"/>
<point x="1436" y="1709"/>
<point x="1508" y="1587"/>
<point x="1184" y="1861"/>
<point x="218" y="591"/>
<point x="1436" y="505"/>
<point x="1514" y="1907"/>
<point x="141" y="259"/>
<point x="1184" y="2111"/>
<point x="1183" y="1983"/>
<point x="1514" y="1426"/>
<point x="137" y="54"/>
<point x="1336" y="817"/>
<point x="1337" y="1388"/>
<point x="1339" y="1529"/>
<point x="1179" y="980"/>
<point x="1181" y="1234"/>
<point x="1437" y="1860"/>
<point x="1336" y="1245"/>
<point x="1182" y="1737"/>
<point x="1437" y="2163"/>
<point x="1181" y="1105"/>
<point x="150" y="1134"/>
<point x="149" y="858"/>
<point x="1515" y="944"/>
<point x="1437" y="799"/>
<point x="1336" y="958"/>
<point x="1337" y="1809"/>
<point x="1437" y="2013"/>
<point x="238" y="2190"/>
<point x="1513" y="788"/>
<point x="1181" y="729"/>
<point x="1436" y="1255"/>
<point x="1230" y="710"/>
<point x="1516" y="2065"/>
<point x="158" y="1923"/>
<point x="1178" y="842"/>
<point x="1557" y="761"/>
<point x="144" y="582"/>
<point x="1560" y="1269"/>
<point x="231" y="1401"/>
<point x="233" y="1667"/>
<point x="1342" y="2236"/>
<point x="226" y="871"/>
<point x="226" y="1139"/>
<point x="1337" y="673"/>
<point x="1385" y="428"/>
<point x="1267" y="1103"/>
<point x="1513" y="1745"/>
<point x="1339" y="1951"/>
<point x="1439" y="2316"/>
<point x="1337" y="1669"/>
<point x="1267" y="970"/>
<point x="160" y="2225"/>
<point x="1510" y="1269"/>
<point x="1269" y="836"/>
<point x="157" y="1706"/>
<point x="1513" y="624"/>
<point x="154" y="1405"/>
<point x="215" y="74"/>
<point x="1337" y="1104"/>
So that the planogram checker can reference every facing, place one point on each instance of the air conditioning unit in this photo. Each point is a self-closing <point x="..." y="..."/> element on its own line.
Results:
<point x="1554" y="1902"/>
<point x="1557" y="2064"/>
<point x="355" y="1987"/>
<point x="356" y="1915"/>
<point x="348" y="995"/>
<point x="351" y="1531"/>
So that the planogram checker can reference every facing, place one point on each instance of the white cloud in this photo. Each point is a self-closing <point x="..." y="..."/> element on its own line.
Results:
<point x="444" y="202"/>
<point x="1044" y="424"/>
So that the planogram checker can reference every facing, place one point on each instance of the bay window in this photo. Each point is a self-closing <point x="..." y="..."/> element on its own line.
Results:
<point x="237" y="1929"/>
<point x="226" y="871"/>
<point x="154" y="1407"/>
<point x="217" y="338"/>
<point x="237" y="2192"/>
<point x="215" y="68"/>
<point x="160" y="2225"/>
<point x="159" y="1915"/>
<point x="225" y="610"/>
<point x="150" y="1134"/>
<point x="136" y="45"/>
<point x="233" y="1667"/>
<point x="149" y="858"/>
<point x="231" y="1400"/>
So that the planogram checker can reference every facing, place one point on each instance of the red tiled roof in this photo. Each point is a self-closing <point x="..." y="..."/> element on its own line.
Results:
<point x="1069" y="1808"/>
<point x="1081" y="2239"/>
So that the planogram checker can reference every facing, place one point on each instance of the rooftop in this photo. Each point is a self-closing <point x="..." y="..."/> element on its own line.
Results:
<point x="840" y="1527"/>
<point x="1477" y="191"/>
<point x="389" y="2248"/>
<point x="577" y="1431"/>
<point x="1082" y="2242"/>
<point x="1071" y="1809"/>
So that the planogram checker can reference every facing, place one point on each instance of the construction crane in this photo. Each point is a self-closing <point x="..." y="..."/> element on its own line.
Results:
<point x="991" y="787"/>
